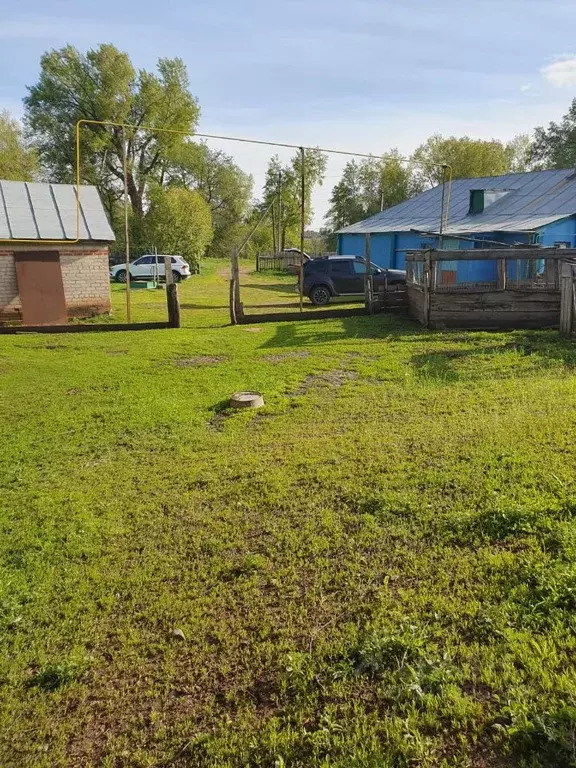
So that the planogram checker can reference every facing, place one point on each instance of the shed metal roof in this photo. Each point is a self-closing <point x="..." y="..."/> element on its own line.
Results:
<point x="532" y="200"/>
<point x="33" y="211"/>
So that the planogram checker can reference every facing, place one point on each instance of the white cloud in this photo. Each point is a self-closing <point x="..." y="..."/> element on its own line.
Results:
<point x="526" y="87"/>
<point x="562" y="72"/>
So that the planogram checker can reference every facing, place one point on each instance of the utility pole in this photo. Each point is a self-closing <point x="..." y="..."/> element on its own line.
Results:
<point x="126" y="222"/>
<point x="280" y="243"/>
<point x="302" y="222"/>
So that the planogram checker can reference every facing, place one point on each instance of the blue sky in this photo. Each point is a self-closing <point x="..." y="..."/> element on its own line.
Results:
<point x="364" y="76"/>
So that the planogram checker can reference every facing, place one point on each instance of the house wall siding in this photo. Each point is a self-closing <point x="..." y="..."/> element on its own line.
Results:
<point x="85" y="276"/>
<point x="563" y="231"/>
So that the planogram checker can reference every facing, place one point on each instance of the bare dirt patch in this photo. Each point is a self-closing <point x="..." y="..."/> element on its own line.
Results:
<point x="285" y="356"/>
<point x="193" y="362"/>
<point x="326" y="380"/>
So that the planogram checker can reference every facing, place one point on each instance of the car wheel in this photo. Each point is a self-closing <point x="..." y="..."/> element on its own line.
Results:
<point x="176" y="276"/>
<point x="121" y="276"/>
<point x="320" y="295"/>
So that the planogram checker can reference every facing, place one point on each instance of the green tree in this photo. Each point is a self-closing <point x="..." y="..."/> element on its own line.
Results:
<point x="18" y="161"/>
<point x="468" y="158"/>
<point x="179" y="221"/>
<point x="519" y="151"/>
<point x="555" y="146"/>
<point x="370" y="186"/>
<point x="282" y="188"/>
<point x="347" y="199"/>
<point x="103" y="85"/>
<point x="224" y="186"/>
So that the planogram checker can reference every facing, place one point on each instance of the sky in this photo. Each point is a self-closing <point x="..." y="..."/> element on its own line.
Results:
<point x="363" y="76"/>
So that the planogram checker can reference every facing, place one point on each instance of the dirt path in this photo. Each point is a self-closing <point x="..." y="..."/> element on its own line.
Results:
<point x="226" y="274"/>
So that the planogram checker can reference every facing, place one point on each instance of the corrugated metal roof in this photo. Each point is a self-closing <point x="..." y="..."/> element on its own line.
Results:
<point x="532" y="200"/>
<point x="31" y="211"/>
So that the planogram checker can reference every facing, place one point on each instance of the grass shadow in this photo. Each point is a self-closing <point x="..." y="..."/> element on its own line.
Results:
<point x="306" y="332"/>
<point x="276" y="287"/>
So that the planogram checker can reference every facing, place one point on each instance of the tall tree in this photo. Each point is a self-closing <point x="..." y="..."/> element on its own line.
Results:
<point x="103" y="85"/>
<point x="369" y="186"/>
<point x="519" y="151"/>
<point x="555" y="146"/>
<point x="468" y="157"/>
<point x="18" y="161"/>
<point x="179" y="221"/>
<point x="222" y="184"/>
<point x="282" y="187"/>
<point x="347" y="199"/>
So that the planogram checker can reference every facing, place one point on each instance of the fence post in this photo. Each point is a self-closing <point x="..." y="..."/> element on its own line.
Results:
<point x="236" y="309"/>
<point x="426" y="286"/>
<point x="257" y="262"/>
<point x="566" y="298"/>
<point x="173" y="305"/>
<point x="501" y="274"/>
<point x="368" y="297"/>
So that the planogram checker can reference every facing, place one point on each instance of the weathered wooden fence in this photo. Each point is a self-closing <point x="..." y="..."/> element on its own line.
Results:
<point x="281" y="261"/>
<point x="445" y="289"/>
<point x="568" y="297"/>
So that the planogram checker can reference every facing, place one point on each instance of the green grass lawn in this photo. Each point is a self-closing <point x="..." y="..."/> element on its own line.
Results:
<point x="377" y="569"/>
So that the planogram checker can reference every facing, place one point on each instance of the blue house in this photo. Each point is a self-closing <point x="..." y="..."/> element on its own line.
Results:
<point x="529" y="208"/>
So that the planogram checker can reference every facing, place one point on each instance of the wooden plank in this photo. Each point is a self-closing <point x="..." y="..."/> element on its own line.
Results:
<point x="494" y="320"/>
<point x="489" y="254"/>
<point x="501" y="272"/>
<point x="566" y="304"/>
<point x="473" y="302"/>
<point x="416" y="303"/>
<point x="426" y="303"/>
<point x="12" y="330"/>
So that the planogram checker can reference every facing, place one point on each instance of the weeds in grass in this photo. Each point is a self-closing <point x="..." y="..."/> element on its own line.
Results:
<point x="378" y="574"/>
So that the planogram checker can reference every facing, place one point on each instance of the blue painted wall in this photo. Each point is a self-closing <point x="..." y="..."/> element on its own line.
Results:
<point x="351" y="245"/>
<point x="388" y="249"/>
<point x="563" y="231"/>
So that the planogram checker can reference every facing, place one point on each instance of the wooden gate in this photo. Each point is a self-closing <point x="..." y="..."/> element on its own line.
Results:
<point x="41" y="288"/>
<point x="567" y="296"/>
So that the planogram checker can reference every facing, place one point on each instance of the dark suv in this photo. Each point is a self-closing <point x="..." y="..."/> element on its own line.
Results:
<point x="333" y="276"/>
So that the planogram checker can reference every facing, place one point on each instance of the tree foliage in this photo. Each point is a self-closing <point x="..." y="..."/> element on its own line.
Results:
<point x="103" y="85"/>
<point x="369" y="186"/>
<point x="222" y="184"/>
<point x="179" y="221"/>
<point x="468" y="157"/>
<point x="282" y="194"/>
<point x="555" y="146"/>
<point x="18" y="161"/>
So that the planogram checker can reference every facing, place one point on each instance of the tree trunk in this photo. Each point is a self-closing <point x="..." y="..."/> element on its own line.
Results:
<point x="134" y="195"/>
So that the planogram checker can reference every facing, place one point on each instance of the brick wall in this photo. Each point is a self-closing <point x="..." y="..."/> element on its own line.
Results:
<point x="85" y="275"/>
<point x="86" y="278"/>
<point x="9" y="299"/>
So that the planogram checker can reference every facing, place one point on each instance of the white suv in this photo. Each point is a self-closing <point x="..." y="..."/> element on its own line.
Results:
<point x="151" y="267"/>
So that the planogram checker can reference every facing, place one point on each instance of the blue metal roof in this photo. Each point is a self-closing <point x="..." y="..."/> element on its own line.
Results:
<point x="31" y="211"/>
<point x="532" y="200"/>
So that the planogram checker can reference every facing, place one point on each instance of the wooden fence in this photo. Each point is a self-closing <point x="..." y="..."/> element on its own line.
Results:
<point x="524" y="293"/>
<point x="568" y="297"/>
<point x="281" y="261"/>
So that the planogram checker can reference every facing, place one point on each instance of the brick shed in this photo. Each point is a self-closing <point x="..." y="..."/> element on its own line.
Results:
<point x="44" y="282"/>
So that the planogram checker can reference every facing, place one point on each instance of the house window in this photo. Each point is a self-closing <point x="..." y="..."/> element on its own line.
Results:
<point x="562" y="244"/>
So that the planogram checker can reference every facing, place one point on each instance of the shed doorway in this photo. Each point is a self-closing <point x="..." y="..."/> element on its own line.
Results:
<point x="41" y="288"/>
